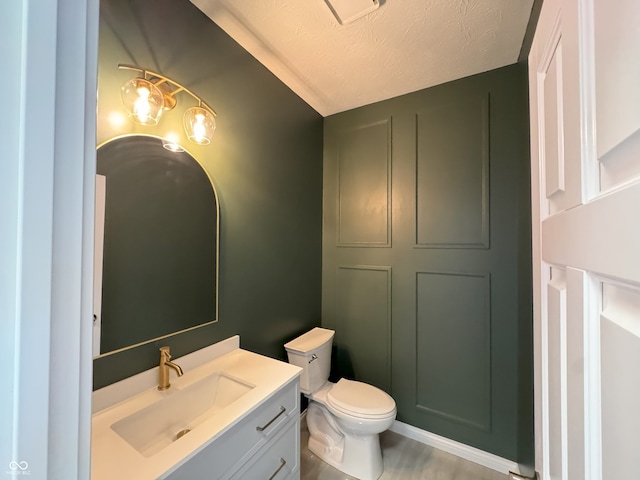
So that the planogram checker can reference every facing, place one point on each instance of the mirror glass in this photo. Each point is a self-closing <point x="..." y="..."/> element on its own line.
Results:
<point x="156" y="261"/>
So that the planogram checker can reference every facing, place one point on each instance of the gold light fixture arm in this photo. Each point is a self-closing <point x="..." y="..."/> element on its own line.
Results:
<point x="164" y="79"/>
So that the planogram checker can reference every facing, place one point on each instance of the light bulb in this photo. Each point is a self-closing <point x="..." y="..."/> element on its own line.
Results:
<point x="199" y="129"/>
<point x="142" y="100"/>
<point x="199" y="124"/>
<point x="141" y="107"/>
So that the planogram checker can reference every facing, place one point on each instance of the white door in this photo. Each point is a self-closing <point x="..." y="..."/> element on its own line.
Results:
<point x="584" y="76"/>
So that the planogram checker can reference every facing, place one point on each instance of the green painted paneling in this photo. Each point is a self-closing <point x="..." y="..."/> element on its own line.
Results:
<point x="363" y="312"/>
<point x="460" y="352"/>
<point x="454" y="330"/>
<point x="265" y="161"/>
<point x="453" y="174"/>
<point x="364" y="182"/>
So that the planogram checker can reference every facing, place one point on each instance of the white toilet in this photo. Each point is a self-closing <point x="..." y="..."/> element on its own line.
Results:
<point x="344" y="418"/>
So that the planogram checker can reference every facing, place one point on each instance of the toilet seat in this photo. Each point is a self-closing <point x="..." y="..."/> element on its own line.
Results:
<point x="361" y="400"/>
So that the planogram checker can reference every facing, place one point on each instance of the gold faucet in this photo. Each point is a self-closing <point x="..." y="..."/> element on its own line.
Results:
<point x="163" y="371"/>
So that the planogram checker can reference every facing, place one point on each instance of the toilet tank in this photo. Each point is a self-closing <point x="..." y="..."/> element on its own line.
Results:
<point x="312" y="352"/>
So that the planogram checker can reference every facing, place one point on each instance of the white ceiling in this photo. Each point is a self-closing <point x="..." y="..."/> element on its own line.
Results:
<point x="402" y="47"/>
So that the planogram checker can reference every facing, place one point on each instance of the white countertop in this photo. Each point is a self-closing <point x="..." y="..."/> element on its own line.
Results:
<point x="112" y="457"/>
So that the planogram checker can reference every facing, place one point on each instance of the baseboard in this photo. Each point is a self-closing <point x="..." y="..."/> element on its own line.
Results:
<point x="458" y="449"/>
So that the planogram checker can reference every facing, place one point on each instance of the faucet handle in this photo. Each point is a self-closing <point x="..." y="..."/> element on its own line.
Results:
<point x="165" y="352"/>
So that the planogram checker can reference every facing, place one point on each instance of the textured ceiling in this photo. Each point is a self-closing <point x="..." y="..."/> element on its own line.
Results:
<point x="403" y="46"/>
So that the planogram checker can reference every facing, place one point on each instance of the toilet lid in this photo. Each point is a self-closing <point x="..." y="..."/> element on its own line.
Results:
<point x="360" y="399"/>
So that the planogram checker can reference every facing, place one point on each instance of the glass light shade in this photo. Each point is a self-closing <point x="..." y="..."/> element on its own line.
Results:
<point x="143" y="101"/>
<point x="199" y="125"/>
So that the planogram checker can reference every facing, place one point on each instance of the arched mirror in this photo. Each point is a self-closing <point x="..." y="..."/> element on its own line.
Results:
<point x="157" y="225"/>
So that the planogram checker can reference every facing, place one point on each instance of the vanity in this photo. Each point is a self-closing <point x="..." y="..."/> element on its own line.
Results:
<point x="234" y="414"/>
<point x="231" y="413"/>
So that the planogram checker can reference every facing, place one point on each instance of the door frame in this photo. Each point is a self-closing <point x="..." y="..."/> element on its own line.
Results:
<point x="46" y="216"/>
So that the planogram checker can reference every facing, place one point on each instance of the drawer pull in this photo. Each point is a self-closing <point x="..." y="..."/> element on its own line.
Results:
<point x="262" y="429"/>
<point x="282" y="464"/>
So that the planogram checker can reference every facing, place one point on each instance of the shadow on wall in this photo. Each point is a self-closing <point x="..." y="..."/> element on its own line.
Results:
<point x="341" y="365"/>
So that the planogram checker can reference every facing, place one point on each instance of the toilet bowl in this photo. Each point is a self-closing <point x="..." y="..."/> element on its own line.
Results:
<point x="345" y="418"/>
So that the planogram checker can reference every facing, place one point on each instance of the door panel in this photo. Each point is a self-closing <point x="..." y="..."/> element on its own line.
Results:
<point x="617" y="75"/>
<point x="620" y="389"/>
<point x="556" y="365"/>
<point x="617" y="85"/>
<point x="586" y="393"/>
<point x="560" y="167"/>
<point x="581" y="292"/>
<point x="605" y="225"/>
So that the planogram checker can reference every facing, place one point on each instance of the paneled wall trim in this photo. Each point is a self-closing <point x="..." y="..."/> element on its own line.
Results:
<point x="452" y="174"/>
<point x="455" y="336"/>
<point x="364" y="185"/>
<point x="445" y="173"/>
<point x="363" y="322"/>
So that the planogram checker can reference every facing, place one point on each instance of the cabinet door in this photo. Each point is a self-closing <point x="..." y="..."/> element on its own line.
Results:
<point x="225" y="455"/>
<point x="278" y="460"/>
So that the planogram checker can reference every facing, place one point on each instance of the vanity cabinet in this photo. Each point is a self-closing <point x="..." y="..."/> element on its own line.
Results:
<point x="279" y="460"/>
<point x="265" y="444"/>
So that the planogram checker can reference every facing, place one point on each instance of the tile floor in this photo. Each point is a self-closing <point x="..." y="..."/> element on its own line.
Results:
<point x="404" y="459"/>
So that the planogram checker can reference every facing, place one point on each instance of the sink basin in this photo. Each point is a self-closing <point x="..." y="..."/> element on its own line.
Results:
<point x="156" y="426"/>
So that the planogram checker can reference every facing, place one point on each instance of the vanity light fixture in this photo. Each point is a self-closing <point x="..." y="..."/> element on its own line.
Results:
<point x="199" y="124"/>
<point x="146" y="96"/>
<point x="143" y="101"/>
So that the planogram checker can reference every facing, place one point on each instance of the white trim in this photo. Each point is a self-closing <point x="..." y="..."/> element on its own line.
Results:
<point x="98" y="255"/>
<point x="458" y="449"/>
<point x="588" y="139"/>
<point x="592" y="379"/>
<point x="46" y="254"/>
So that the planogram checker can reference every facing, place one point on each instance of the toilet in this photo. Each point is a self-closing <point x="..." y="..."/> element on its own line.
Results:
<point x="344" y="418"/>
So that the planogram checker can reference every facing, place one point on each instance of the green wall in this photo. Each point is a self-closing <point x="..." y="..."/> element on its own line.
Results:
<point x="426" y="257"/>
<point x="422" y="257"/>
<point x="265" y="161"/>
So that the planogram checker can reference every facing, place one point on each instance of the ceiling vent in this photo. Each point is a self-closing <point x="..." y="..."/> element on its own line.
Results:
<point x="347" y="11"/>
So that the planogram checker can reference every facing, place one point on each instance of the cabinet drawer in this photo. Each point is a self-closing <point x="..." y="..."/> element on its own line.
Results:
<point x="230" y="451"/>
<point x="278" y="460"/>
